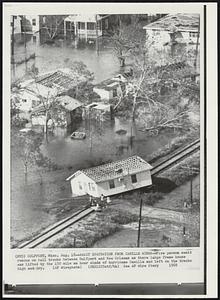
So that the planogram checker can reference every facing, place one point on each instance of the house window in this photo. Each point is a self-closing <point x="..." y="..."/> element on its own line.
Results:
<point x="80" y="186"/>
<point x="111" y="184"/>
<point x="114" y="92"/>
<point x="91" y="186"/>
<point x="193" y="34"/>
<point x="106" y="24"/>
<point x="90" y="26"/>
<point x="133" y="178"/>
<point x="81" y="25"/>
<point x="34" y="22"/>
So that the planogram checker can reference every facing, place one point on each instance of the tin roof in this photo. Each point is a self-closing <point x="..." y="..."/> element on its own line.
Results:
<point x="116" y="169"/>
<point x="111" y="83"/>
<point x="59" y="79"/>
<point x="69" y="103"/>
<point x="182" y="22"/>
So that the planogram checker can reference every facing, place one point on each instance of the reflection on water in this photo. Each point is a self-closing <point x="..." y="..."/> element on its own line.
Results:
<point x="58" y="55"/>
<point x="102" y="143"/>
<point x="31" y="201"/>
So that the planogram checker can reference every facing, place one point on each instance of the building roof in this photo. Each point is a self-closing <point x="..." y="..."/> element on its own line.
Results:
<point x="69" y="103"/>
<point x="181" y="69"/>
<point x="116" y="169"/>
<point x="58" y="79"/>
<point x="51" y="83"/>
<point x="83" y="18"/>
<point x="182" y="22"/>
<point x="107" y="84"/>
<point x="99" y="105"/>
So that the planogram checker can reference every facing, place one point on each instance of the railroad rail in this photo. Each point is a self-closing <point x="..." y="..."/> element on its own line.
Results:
<point x="63" y="224"/>
<point x="175" y="158"/>
<point x="55" y="229"/>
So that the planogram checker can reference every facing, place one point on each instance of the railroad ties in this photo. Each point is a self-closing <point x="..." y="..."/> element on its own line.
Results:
<point x="56" y="228"/>
<point x="175" y="158"/>
<point x="63" y="224"/>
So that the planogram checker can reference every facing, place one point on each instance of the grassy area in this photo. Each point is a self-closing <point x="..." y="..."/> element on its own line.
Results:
<point x="175" y="144"/>
<point x="184" y="171"/>
<point x="96" y="227"/>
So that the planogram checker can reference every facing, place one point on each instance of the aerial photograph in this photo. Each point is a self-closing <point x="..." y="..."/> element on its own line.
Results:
<point x="105" y="130"/>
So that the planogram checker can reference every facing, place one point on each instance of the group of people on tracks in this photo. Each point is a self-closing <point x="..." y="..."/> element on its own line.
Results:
<point x="99" y="203"/>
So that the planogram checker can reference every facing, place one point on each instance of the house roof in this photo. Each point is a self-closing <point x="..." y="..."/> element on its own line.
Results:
<point x="181" y="70"/>
<point x="182" y="22"/>
<point x="116" y="169"/>
<point x="107" y="84"/>
<point x="58" y="79"/>
<point x="99" y="105"/>
<point x="69" y="103"/>
<point x="83" y="18"/>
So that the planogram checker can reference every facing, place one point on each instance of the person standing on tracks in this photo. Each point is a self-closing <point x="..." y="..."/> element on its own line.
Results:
<point x="90" y="201"/>
<point x="103" y="204"/>
<point x="102" y="198"/>
<point x="108" y="200"/>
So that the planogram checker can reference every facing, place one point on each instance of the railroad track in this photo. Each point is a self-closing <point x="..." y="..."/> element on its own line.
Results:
<point x="55" y="229"/>
<point x="175" y="158"/>
<point x="60" y="226"/>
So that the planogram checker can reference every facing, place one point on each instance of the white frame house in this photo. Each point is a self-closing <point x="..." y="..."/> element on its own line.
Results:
<point x="112" y="178"/>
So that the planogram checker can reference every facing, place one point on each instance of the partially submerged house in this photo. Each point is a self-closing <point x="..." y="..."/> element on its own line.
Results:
<point x="86" y="25"/>
<point x="98" y="110"/>
<point x="112" y="178"/>
<point x="45" y="88"/>
<point x="70" y="110"/>
<point x="113" y="87"/>
<point x="25" y="100"/>
<point x="51" y="84"/>
<point x="181" y="28"/>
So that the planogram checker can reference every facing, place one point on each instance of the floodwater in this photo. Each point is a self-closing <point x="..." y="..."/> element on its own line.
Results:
<point x="31" y="200"/>
<point x="102" y="143"/>
<point x="103" y="64"/>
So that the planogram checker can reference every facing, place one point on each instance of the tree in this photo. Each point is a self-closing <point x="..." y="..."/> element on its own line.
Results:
<point x="51" y="24"/>
<point x="127" y="39"/>
<point x="82" y="78"/>
<point x="49" y="104"/>
<point x="157" y="91"/>
<point x="28" y="148"/>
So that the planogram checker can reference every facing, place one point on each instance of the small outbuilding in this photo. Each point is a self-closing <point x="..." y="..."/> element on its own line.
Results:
<point x="112" y="178"/>
<point x="113" y="87"/>
<point x="98" y="111"/>
<point x="71" y="111"/>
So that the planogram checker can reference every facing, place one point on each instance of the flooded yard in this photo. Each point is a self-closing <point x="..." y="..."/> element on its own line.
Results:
<point x="33" y="202"/>
<point x="103" y="64"/>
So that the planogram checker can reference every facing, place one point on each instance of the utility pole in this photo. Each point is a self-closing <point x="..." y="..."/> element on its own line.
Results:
<point x="139" y="225"/>
<point x="191" y="191"/>
<point x="25" y="43"/>
<point x="13" y="38"/>
<point x="97" y="36"/>
<point x="197" y="45"/>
